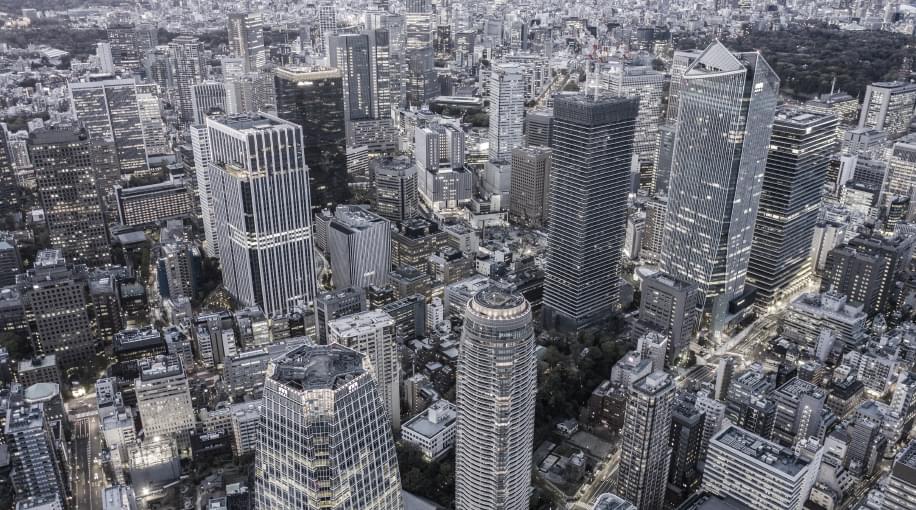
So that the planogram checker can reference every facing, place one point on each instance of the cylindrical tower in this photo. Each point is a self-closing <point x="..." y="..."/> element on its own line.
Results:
<point x="497" y="385"/>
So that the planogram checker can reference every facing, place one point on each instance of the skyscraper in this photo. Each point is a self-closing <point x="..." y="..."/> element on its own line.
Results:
<point x="644" y="452"/>
<point x="727" y="103"/>
<point x="259" y="181"/>
<point x="200" y="146"/>
<point x="793" y="181"/>
<point x="496" y="389"/>
<point x="151" y="124"/>
<point x="63" y="163"/>
<point x="9" y="192"/>
<point x="646" y="84"/>
<point x="888" y="106"/>
<point x="207" y="98"/>
<point x="592" y="148"/>
<point x="109" y="111"/>
<point x="364" y="61"/>
<point x="324" y="439"/>
<point x="679" y="64"/>
<point x="313" y="99"/>
<point x="373" y="334"/>
<point x="246" y="39"/>
<point x="507" y="110"/>
<point x="359" y="243"/>
<point x="186" y="53"/>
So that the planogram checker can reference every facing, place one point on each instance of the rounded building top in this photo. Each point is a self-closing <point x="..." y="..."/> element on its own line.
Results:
<point x="497" y="302"/>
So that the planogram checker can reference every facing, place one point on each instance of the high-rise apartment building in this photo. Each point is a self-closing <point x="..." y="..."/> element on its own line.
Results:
<point x="109" y="110"/>
<point x="644" y="452"/>
<point x="373" y="334"/>
<point x="530" y="186"/>
<point x="756" y="472"/>
<point x="727" y="104"/>
<point x="359" y="244"/>
<point x="186" y="53"/>
<point x="888" y="107"/>
<point x="496" y="388"/>
<point x="246" y="39"/>
<point x="324" y="439"/>
<point x="260" y="185"/>
<point x="507" y="110"/>
<point x="793" y="182"/>
<point x="592" y="148"/>
<point x="396" y="190"/>
<point x="313" y="99"/>
<point x="63" y="162"/>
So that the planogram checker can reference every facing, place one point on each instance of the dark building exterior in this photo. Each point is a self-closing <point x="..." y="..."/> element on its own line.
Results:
<point x="313" y="99"/>
<point x="793" y="181"/>
<point x="865" y="270"/>
<point x="592" y="149"/>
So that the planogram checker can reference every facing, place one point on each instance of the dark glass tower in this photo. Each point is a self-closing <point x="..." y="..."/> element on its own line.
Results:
<point x="800" y="150"/>
<point x="592" y="148"/>
<point x="313" y="99"/>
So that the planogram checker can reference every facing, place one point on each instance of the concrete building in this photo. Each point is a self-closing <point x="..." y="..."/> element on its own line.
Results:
<point x="359" y="244"/>
<point x="373" y="334"/>
<point x="888" y="107"/>
<point x="530" y="186"/>
<point x="756" y="472"/>
<point x="433" y="430"/>
<point x="163" y="397"/>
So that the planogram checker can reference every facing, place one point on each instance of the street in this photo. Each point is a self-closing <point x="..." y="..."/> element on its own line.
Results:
<point x="86" y="474"/>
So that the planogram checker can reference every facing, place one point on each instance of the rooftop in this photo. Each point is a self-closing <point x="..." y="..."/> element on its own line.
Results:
<point x="763" y="451"/>
<point x="437" y="418"/>
<point x="318" y="367"/>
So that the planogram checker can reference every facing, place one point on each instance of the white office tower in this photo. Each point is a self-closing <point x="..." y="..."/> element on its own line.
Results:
<point x="496" y="389"/>
<point x="372" y="333"/>
<point x="757" y="472"/>
<point x="207" y="98"/>
<point x="324" y="438"/>
<point x="163" y="397"/>
<point x="507" y="110"/>
<point x="200" y="146"/>
<point x="727" y="104"/>
<point x="327" y="25"/>
<point x="359" y="243"/>
<point x="644" y="453"/>
<point x="151" y="123"/>
<point x="246" y="40"/>
<point x="262" y="205"/>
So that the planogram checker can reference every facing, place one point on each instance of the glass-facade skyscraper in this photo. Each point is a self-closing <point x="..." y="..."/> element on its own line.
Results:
<point x="313" y="99"/>
<point x="324" y="439"/>
<point x="727" y="103"/>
